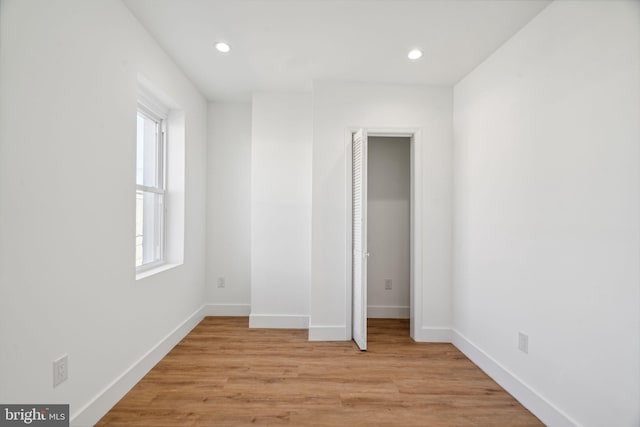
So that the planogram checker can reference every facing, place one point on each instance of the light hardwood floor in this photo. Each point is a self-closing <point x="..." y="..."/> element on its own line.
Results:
<point x="224" y="374"/>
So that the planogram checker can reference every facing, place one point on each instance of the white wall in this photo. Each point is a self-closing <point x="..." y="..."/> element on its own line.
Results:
<point x="337" y="107"/>
<point x="68" y="78"/>
<point x="547" y="239"/>
<point x="280" y="209"/>
<point x="229" y="208"/>
<point x="389" y="198"/>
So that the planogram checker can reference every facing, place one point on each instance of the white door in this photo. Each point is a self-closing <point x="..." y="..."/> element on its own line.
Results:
<point x="359" y="238"/>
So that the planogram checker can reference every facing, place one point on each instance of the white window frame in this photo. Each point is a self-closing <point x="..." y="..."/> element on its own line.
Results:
<point x="153" y="111"/>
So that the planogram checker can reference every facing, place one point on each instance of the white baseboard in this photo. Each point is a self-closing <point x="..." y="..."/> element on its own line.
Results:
<point x="241" y="310"/>
<point x="543" y="409"/>
<point x="97" y="407"/>
<point x="278" y="321"/>
<point x="387" y="312"/>
<point x="328" y="333"/>
<point x="432" y="334"/>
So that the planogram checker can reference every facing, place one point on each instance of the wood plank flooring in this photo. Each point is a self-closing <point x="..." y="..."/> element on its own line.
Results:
<point x="224" y="374"/>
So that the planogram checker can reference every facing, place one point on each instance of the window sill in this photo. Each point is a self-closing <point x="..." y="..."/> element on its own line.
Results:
<point x="154" y="270"/>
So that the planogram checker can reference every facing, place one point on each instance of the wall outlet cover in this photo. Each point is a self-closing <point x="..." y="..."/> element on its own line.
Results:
<point x="60" y="370"/>
<point x="523" y="342"/>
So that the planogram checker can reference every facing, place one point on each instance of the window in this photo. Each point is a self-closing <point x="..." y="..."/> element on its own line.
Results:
<point x="150" y="188"/>
<point x="160" y="181"/>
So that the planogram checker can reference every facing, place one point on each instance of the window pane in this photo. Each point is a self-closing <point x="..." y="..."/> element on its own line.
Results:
<point x="139" y="235"/>
<point x="149" y="230"/>
<point x="147" y="151"/>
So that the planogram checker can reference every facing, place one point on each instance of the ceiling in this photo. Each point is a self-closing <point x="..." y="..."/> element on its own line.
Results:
<point x="283" y="45"/>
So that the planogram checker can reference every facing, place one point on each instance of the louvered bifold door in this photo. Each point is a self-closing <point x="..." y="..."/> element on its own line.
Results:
<point x="359" y="238"/>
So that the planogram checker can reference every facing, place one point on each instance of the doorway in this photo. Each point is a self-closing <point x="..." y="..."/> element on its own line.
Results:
<point x="384" y="218"/>
<point x="388" y="224"/>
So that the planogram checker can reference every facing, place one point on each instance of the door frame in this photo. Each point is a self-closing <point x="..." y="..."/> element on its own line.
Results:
<point x="415" y="223"/>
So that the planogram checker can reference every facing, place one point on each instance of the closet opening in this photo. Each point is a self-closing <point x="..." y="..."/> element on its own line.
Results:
<point x="382" y="225"/>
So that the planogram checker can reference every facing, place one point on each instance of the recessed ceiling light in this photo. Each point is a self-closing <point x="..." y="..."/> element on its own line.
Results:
<point x="415" y="54"/>
<point x="223" y="47"/>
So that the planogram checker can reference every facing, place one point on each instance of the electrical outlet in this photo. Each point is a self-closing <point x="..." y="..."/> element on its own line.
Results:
<point x="523" y="342"/>
<point x="60" y="370"/>
<point x="388" y="284"/>
<point x="221" y="282"/>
